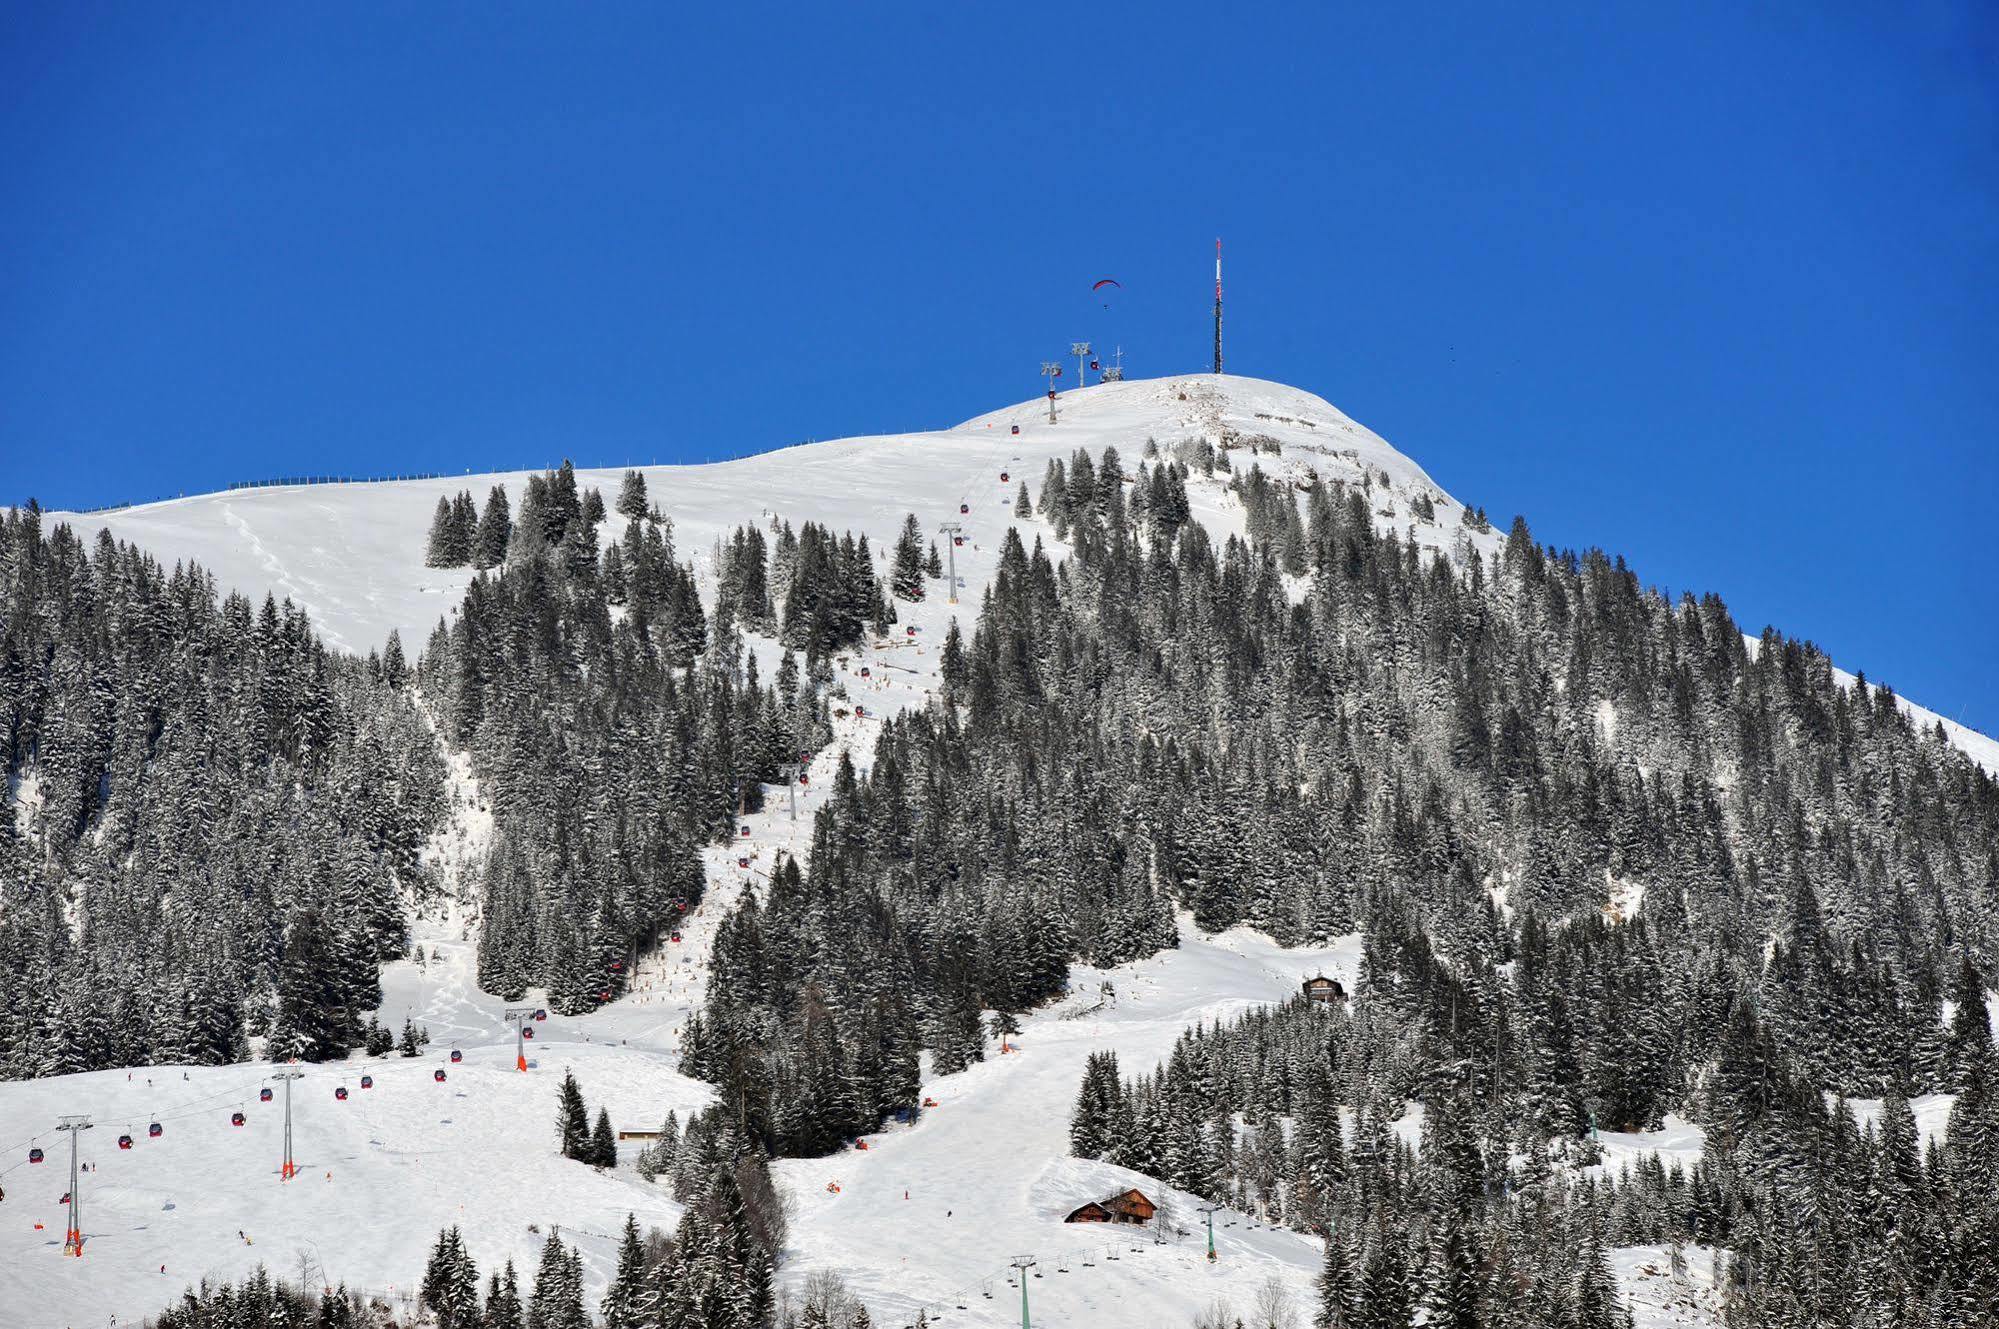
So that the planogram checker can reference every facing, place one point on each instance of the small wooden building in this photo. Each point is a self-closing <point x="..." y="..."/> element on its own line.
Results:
<point x="1321" y="988"/>
<point x="1124" y="1207"/>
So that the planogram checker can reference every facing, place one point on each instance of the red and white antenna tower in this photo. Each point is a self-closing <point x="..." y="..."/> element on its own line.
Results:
<point x="1218" y="304"/>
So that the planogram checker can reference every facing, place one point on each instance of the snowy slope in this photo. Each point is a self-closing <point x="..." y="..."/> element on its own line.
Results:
<point x="352" y="555"/>
<point x="987" y="1173"/>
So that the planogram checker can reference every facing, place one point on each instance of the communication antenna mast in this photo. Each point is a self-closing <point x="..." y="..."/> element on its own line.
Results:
<point x="952" y="529"/>
<point x="1218" y="304"/>
<point x="1081" y="350"/>
<point x="1114" y="372"/>
<point x="1051" y="371"/>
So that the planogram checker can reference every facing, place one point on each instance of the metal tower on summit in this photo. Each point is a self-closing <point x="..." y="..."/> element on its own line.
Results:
<point x="1218" y="304"/>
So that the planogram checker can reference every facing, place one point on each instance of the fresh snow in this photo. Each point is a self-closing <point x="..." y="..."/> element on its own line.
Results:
<point x="987" y="1174"/>
<point x="351" y="555"/>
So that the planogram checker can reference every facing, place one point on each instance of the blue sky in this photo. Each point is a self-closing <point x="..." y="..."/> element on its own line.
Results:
<point x="1712" y="286"/>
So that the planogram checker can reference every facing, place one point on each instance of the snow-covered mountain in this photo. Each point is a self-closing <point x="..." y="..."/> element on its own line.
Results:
<point x="929" y="1215"/>
<point x="351" y="554"/>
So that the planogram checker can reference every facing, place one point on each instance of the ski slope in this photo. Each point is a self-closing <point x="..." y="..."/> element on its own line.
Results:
<point x="351" y="555"/>
<point x="986" y="1173"/>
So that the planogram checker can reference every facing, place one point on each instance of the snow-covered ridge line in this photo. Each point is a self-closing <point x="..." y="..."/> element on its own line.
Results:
<point x="352" y="555"/>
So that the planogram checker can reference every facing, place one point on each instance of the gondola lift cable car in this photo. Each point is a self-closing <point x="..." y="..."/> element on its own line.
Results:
<point x="125" y="1140"/>
<point x="237" y="1118"/>
<point x="154" y="1131"/>
<point x="264" y="1095"/>
<point x="340" y="1094"/>
<point x="367" y="1082"/>
<point x="34" y="1155"/>
<point x="438" y="1075"/>
<point x="457" y="1056"/>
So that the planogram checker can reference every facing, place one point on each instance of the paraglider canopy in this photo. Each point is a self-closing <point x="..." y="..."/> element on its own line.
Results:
<point x="1107" y="281"/>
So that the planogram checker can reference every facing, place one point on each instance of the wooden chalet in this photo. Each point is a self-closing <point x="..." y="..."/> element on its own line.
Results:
<point x="1125" y="1207"/>
<point x="1322" y="989"/>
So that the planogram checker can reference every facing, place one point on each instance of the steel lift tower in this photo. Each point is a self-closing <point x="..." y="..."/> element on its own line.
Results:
<point x="72" y="1242"/>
